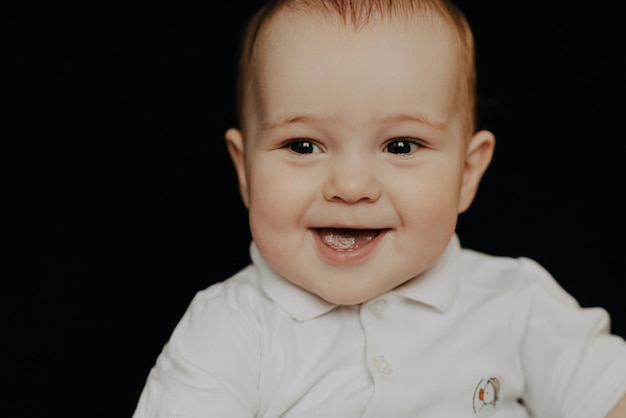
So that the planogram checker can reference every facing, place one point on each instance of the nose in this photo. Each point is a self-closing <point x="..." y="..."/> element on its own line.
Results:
<point x="352" y="180"/>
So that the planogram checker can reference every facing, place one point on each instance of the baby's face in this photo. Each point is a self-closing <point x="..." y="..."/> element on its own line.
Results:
<point x="354" y="163"/>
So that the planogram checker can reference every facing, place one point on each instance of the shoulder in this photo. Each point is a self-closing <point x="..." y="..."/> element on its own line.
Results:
<point x="241" y="288"/>
<point x="228" y="314"/>
<point x="515" y="274"/>
<point x="533" y="298"/>
<point x="476" y="262"/>
<point x="238" y="297"/>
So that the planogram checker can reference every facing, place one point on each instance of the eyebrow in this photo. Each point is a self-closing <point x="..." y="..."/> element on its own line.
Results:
<point x="289" y="119"/>
<point x="419" y="118"/>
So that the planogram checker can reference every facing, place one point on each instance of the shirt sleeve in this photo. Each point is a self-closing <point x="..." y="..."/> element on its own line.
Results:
<point x="210" y="365"/>
<point x="574" y="367"/>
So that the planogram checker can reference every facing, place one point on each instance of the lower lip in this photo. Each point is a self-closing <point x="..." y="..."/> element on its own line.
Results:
<point x="345" y="257"/>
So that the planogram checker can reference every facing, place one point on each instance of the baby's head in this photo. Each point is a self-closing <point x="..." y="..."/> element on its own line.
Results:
<point x="352" y="15"/>
<point x="357" y="147"/>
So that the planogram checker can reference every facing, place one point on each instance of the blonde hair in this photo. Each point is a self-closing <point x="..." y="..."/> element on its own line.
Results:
<point x="356" y="13"/>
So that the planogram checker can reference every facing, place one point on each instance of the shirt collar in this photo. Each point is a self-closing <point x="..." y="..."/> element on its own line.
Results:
<point x="436" y="287"/>
<point x="298" y="303"/>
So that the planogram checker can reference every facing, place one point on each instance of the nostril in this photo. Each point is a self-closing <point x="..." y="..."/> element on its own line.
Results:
<point x="352" y="186"/>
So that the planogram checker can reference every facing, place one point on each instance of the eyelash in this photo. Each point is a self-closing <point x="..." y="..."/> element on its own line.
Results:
<point x="409" y="144"/>
<point x="303" y="146"/>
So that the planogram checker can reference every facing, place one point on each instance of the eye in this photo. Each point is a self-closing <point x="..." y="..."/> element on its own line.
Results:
<point x="402" y="146"/>
<point x="302" y="146"/>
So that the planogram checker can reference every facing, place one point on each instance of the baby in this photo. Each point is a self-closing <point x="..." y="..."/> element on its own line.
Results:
<point x="356" y="152"/>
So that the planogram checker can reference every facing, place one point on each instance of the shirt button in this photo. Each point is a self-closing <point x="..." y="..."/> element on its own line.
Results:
<point x="382" y="365"/>
<point x="377" y="308"/>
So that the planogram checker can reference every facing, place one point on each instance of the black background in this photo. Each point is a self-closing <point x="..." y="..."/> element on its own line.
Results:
<point x="123" y="202"/>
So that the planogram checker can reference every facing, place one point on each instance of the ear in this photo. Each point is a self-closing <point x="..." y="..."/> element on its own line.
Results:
<point x="477" y="159"/>
<point x="235" y="144"/>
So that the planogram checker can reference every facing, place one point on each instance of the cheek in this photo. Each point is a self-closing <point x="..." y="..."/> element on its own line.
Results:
<point x="278" y="197"/>
<point x="428" y="218"/>
<point x="430" y="211"/>
<point x="430" y="202"/>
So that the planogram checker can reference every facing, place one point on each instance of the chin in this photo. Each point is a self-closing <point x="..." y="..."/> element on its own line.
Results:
<point x="346" y="298"/>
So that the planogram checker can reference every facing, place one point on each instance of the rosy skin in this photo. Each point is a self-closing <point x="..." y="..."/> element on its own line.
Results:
<point x="356" y="130"/>
<point x="619" y="411"/>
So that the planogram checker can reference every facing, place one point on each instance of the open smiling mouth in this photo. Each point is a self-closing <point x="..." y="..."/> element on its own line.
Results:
<point x="343" y="239"/>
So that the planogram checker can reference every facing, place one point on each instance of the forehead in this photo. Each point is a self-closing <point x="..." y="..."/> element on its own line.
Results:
<point x="314" y="62"/>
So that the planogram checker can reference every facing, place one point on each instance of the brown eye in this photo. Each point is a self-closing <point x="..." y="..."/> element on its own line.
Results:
<point x="303" y="147"/>
<point x="401" y="146"/>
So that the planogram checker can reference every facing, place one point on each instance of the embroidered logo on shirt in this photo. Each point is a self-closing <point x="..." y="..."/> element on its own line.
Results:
<point x="486" y="397"/>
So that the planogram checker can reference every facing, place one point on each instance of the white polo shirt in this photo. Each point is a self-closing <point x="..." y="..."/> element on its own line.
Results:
<point x="471" y="337"/>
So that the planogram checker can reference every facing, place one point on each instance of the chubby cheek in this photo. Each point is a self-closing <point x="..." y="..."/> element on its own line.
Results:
<point x="428" y="214"/>
<point x="277" y="209"/>
<point x="277" y="200"/>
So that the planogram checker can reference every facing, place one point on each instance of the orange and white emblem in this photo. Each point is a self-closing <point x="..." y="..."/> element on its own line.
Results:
<point x="486" y="396"/>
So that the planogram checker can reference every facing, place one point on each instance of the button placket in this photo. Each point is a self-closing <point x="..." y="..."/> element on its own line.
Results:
<point x="377" y="308"/>
<point x="382" y="365"/>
